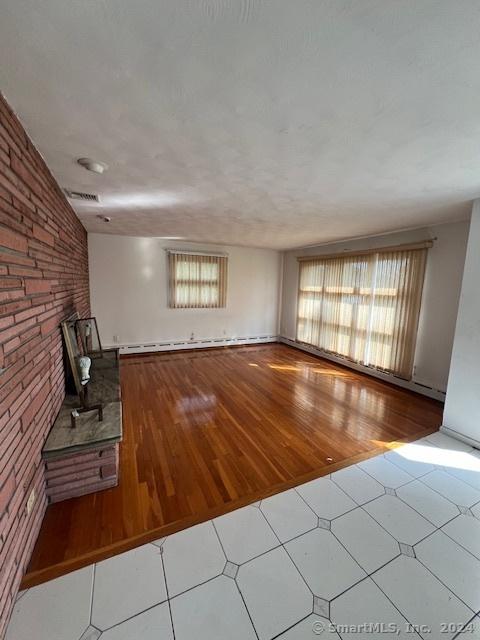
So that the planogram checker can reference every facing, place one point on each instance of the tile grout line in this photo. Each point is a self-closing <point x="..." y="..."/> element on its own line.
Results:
<point x="441" y="494"/>
<point x="436" y="528"/>
<point x="425" y="517"/>
<point x="316" y="514"/>
<point x="471" y="621"/>
<point x="355" y="466"/>
<point x="391" y="560"/>
<point x="235" y="579"/>
<point x="371" y="576"/>
<point x="92" y="593"/>
<point x="401" y="468"/>
<point x="447" y="470"/>
<point x="167" y="593"/>
<point x="456" y="541"/>
<point x="135" y="615"/>
<point x="279" y="635"/>
<point x="246" y="608"/>
<point x="284" y="544"/>
<point x="367" y="575"/>
<point x="395" y="466"/>
<point x="446" y="586"/>
<point x="281" y="545"/>
<point x="393" y="603"/>
<point x="409" y="506"/>
<point x="288" y="554"/>
<point x="388" y="532"/>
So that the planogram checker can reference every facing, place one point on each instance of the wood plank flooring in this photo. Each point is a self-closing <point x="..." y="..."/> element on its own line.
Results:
<point x="209" y="431"/>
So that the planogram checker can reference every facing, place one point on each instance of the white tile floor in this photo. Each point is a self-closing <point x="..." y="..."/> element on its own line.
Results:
<point x="391" y="545"/>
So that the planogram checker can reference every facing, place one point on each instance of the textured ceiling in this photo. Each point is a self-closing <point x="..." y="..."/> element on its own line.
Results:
<point x="274" y="123"/>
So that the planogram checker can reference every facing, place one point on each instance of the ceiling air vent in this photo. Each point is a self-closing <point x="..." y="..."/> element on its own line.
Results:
<point x="80" y="195"/>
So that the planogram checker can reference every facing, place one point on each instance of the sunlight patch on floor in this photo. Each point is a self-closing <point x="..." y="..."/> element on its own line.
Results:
<point x="432" y="454"/>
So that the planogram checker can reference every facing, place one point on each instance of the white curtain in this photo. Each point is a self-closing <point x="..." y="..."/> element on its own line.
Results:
<point x="197" y="281"/>
<point x="363" y="307"/>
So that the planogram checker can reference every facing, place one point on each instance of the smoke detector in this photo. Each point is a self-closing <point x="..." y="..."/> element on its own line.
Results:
<point x="92" y="165"/>
<point x="104" y="218"/>
<point x="80" y="195"/>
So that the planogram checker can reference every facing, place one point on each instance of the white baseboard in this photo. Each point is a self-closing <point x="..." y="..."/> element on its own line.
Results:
<point x="459" y="436"/>
<point x="436" y="394"/>
<point x="205" y="343"/>
<point x="200" y="343"/>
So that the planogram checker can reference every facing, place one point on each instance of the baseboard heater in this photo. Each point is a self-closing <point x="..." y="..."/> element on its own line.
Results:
<point x="425" y="390"/>
<point x="199" y="343"/>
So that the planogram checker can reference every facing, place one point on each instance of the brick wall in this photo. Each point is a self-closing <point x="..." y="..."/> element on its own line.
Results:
<point x="43" y="279"/>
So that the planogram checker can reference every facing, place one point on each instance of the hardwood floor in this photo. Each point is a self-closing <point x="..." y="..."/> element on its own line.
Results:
<point x="209" y="431"/>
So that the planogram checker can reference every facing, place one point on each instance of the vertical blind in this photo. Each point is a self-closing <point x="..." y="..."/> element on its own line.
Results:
<point x="197" y="281"/>
<point x="363" y="307"/>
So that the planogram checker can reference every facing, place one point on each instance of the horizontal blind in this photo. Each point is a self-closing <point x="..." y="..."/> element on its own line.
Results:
<point x="364" y="307"/>
<point x="197" y="281"/>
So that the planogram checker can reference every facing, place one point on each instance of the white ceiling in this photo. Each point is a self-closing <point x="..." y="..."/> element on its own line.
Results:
<point x="271" y="123"/>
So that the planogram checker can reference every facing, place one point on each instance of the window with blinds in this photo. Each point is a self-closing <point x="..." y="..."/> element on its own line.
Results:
<point x="363" y="307"/>
<point x="197" y="281"/>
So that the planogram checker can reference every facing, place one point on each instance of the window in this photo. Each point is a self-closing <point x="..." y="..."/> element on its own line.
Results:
<point x="363" y="307"/>
<point x="197" y="281"/>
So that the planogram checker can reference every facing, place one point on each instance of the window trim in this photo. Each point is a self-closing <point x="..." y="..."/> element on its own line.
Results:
<point x="405" y="339"/>
<point x="221" y="282"/>
<point x="426" y="244"/>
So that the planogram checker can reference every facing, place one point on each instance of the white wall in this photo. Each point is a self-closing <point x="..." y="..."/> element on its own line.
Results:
<point x="128" y="282"/>
<point x="462" y="404"/>
<point x="441" y="293"/>
<point x="128" y="289"/>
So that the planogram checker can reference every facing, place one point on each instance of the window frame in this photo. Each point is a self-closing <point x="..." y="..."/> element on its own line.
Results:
<point x="313" y="322"/>
<point x="194" y="298"/>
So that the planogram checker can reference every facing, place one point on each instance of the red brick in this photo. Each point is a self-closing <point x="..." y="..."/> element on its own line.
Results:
<point x="108" y="471"/>
<point x="34" y="407"/>
<point x="15" y="258"/>
<point x="8" y="308"/>
<point x="49" y="325"/>
<point x="7" y="491"/>
<point x="9" y="444"/>
<point x="10" y="283"/>
<point x="11" y="218"/>
<point x="21" y="169"/>
<point x="29" y="313"/>
<point x="37" y="286"/>
<point x="12" y="240"/>
<point x="22" y="271"/>
<point x="16" y="187"/>
<point x="5" y="135"/>
<point x="43" y="279"/>
<point x="11" y="345"/>
<point x="4" y="157"/>
<point x="43" y="235"/>
<point x="27" y="335"/>
<point x="8" y="295"/>
<point x="6" y="322"/>
<point x="16" y="329"/>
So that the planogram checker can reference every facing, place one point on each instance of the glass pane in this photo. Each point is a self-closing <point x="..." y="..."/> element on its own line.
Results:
<point x="209" y="271"/>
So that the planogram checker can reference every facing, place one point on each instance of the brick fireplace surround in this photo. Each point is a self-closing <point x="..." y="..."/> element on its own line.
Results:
<point x="43" y="279"/>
